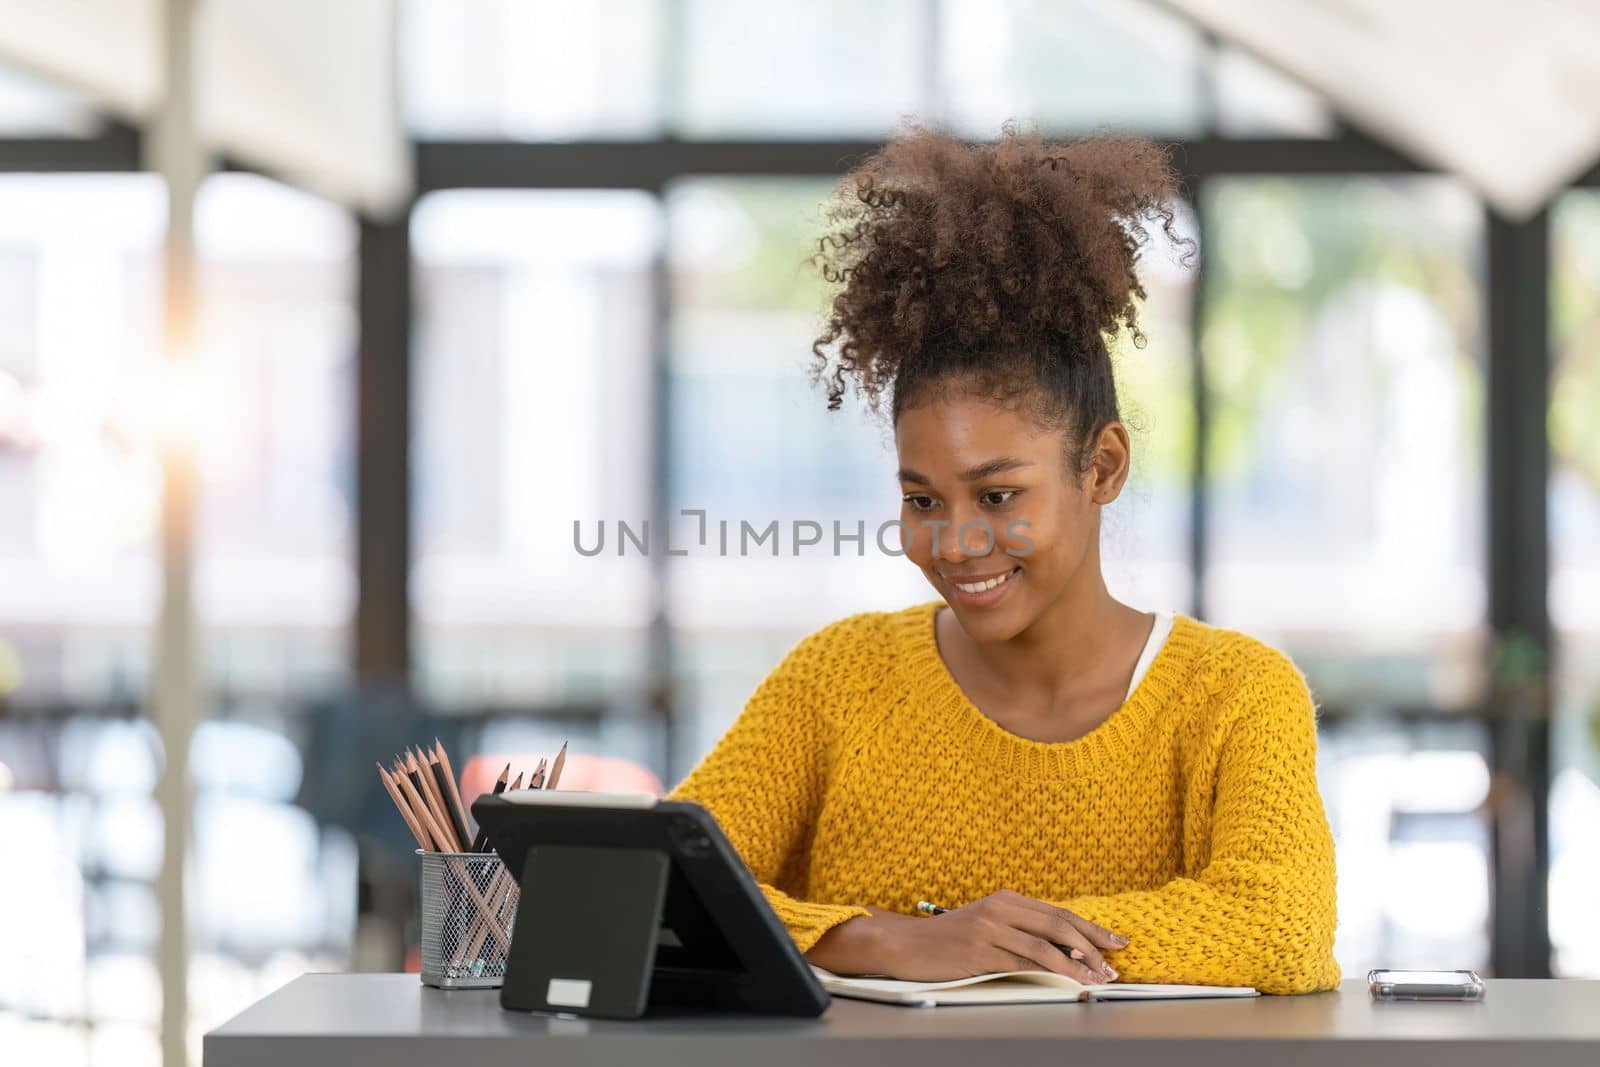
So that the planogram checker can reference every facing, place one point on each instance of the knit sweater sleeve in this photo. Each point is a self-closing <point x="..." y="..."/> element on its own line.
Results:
<point x="1260" y="910"/>
<point x="764" y="780"/>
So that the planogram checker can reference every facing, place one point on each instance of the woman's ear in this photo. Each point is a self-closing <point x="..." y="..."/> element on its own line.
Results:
<point x="1108" y="468"/>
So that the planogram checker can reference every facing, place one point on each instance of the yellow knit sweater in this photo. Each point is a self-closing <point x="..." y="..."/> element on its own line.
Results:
<point x="1189" y="821"/>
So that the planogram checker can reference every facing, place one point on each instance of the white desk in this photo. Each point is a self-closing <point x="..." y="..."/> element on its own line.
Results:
<point x="392" y="1019"/>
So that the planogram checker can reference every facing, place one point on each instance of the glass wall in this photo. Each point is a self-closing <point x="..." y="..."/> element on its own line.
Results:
<point x="1575" y="581"/>
<point x="754" y="444"/>
<point x="277" y="334"/>
<point x="798" y="70"/>
<point x="534" y="335"/>
<point x="78" y="484"/>
<point x="532" y="69"/>
<point x="1074" y="65"/>
<point x="1342" y="346"/>
<point x="541" y="70"/>
<point x="1144" y="538"/>
<point x="82" y="398"/>
<point x="1342" y="341"/>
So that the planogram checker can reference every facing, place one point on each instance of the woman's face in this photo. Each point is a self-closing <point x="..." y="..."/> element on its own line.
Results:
<point x="998" y="524"/>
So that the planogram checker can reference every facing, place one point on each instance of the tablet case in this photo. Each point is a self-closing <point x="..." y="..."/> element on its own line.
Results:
<point x="596" y="953"/>
<point x="649" y="905"/>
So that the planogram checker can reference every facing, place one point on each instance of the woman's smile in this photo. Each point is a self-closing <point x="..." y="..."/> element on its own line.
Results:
<point x="978" y="591"/>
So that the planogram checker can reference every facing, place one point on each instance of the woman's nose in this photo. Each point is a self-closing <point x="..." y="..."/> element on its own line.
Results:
<point x="965" y="538"/>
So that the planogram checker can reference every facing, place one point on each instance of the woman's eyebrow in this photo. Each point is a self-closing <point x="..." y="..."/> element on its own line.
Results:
<point x="972" y="474"/>
<point x="993" y="467"/>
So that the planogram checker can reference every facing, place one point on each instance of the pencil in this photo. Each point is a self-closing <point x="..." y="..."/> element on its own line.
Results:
<point x="402" y="787"/>
<point x="445" y="788"/>
<point x="555" y="768"/>
<point x="455" y="792"/>
<point x="537" y="781"/>
<point x="419" y="809"/>
<point x="441" y="835"/>
<point x="430" y="793"/>
<point x="405" y="812"/>
<point x="408" y="764"/>
<point x="503" y="883"/>
<point x="481" y="842"/>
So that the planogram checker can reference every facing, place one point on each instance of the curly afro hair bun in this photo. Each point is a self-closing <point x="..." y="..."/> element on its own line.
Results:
<point x="1005" y="266"/>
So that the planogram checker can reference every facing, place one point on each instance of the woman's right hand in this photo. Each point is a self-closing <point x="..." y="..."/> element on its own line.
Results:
<point x="1004" y="931"/>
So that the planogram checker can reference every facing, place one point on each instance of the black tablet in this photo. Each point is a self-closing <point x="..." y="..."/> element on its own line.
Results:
<point x="631" y="903"/>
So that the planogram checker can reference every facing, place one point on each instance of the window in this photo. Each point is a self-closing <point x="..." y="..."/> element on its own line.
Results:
<point x="278" y="334"/>
<point x="533" y="378"/>
<point x="1254" y="100"/>
<point x="79" y="393"/>
<point x="1144" y="538"/>
<point x="1346" y="482"/>
<point x="1575" y="581"/>
<point x="1406" y="807"/>
<point x="753" y="442"/>
<point x="532" y="69"/>
<point x="79" y="484"/>
<point x="1070" y="66"/>
<point x="796" y="70"/>
<point x="269" y="412"/>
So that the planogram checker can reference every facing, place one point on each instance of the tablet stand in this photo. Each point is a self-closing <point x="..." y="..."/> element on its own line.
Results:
<point x="585" y="935"/>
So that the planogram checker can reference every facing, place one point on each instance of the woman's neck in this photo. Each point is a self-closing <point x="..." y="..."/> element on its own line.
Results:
<point x="1085" y="642"/>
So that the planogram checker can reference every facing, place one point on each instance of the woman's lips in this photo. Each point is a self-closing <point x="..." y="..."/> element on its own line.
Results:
<point x="981" y="590"/>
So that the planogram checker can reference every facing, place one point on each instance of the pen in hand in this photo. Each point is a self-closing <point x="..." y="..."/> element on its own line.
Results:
<point x="927" y="907"/>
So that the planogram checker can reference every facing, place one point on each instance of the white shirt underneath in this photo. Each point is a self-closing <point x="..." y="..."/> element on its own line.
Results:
<point x="1158" y="637"/>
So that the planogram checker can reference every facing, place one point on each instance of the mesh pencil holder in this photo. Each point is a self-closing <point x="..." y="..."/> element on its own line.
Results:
<point x="469" y="901"/>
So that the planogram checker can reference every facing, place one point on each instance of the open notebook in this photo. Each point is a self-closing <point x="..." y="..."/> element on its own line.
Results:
<point x="1011" y="987"/>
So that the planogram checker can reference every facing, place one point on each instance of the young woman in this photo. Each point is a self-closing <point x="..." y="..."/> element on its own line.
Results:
<point x="1087" y="788"/>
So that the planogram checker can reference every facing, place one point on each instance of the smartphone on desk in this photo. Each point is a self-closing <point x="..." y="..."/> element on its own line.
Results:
<point x="1425" y="985"/>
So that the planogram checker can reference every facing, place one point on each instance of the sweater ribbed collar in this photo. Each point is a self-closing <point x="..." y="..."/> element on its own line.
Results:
<point x="936" y="692"/>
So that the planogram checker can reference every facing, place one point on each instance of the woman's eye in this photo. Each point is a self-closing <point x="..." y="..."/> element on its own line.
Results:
<point x="918" y="501"/>
<point x="998" y="498"/>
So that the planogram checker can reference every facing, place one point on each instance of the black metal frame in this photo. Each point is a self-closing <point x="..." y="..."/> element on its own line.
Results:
<point x="653" y="165"/>
<point x="382" y="638"/>
<point x="118" y="147"/>
<point x="1517" y="359"/>
<point x="1518" y="379"/>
